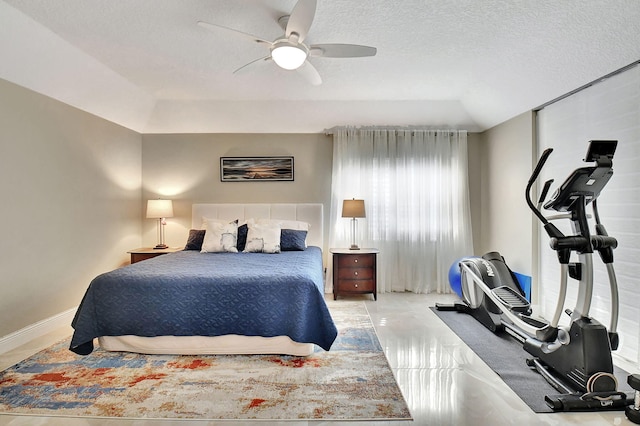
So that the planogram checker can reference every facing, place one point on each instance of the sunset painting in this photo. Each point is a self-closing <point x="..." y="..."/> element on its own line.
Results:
<point x="240" y="169"/>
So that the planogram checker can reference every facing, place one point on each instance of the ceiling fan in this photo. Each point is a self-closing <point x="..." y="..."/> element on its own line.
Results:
<point x="289" y="52"/>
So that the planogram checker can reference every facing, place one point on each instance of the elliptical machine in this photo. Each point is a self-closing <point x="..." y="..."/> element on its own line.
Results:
<point x="575" y="360"/>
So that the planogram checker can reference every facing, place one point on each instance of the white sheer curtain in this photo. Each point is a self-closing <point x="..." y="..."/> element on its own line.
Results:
<point x="414" y="184"/>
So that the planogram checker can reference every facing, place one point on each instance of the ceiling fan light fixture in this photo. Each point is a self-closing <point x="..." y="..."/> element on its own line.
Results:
<point x="288" y="55"/>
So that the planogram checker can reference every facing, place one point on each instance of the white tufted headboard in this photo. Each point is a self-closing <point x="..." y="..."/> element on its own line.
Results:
<point x="306" y="212"/>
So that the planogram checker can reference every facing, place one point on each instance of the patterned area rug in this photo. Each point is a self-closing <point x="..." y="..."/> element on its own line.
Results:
<point x="353" y="381"/>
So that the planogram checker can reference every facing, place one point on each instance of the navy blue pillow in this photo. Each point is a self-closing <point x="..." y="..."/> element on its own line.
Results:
<point x="196" y="237"/>
<point x="242" y="237"/>
<point x="292" y="240"/>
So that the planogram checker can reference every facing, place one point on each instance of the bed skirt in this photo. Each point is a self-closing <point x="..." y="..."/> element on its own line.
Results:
<point x="205" y="345"/>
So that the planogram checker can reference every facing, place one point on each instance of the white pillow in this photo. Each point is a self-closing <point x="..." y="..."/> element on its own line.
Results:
<point x="212" y="219"/>
<point x="220" y="237"/>
<point x="263" y="238"/>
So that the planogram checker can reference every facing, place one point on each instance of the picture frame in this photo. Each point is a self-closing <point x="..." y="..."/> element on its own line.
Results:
<point x="256" y="169"/>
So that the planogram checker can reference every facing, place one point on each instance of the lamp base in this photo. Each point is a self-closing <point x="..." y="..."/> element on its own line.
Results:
<point x="354" y="247"/>
<point x="160" y="247"/>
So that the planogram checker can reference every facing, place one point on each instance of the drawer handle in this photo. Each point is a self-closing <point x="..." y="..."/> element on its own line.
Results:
<point x="355" y="260"/>
<point x="355" y="273"/>
<point x="356" y="285"/>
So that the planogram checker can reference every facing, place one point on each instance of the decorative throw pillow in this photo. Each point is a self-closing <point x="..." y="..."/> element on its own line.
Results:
<point x="213" y="219"/>
<point x="220" y="237"/>
<point x="293" y="240"/>
<point x="194" y="242"/>
<point x="242" y="236"/>
<point x="263" y="238"/>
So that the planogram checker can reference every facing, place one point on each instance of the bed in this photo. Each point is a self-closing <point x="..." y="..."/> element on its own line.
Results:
<point x="221" y="302"/>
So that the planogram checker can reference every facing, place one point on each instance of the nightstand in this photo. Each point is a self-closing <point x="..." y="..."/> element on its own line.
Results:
<point x="354" y="271"/>
<point x="145" y="253"/>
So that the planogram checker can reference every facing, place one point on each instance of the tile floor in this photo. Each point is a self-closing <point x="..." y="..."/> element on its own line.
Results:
<point x="443" y="381"/>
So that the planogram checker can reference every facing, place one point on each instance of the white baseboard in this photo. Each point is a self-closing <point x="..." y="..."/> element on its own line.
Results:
<point x="34" y="331"/>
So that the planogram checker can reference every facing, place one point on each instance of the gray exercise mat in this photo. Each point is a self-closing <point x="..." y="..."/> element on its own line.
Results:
<point x="504" y="355"/>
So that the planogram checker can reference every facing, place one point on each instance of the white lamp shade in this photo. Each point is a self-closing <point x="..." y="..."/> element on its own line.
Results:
<point x="157" y="209"/>
<point x="353" y="208"/>
<point x="288" y="56"/>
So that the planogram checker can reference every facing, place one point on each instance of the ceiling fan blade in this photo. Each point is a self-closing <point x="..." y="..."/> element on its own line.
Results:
<point x="310" y="73"/>
<point x="244" y="67"/>
<point x="301" y="18"/>
<point x="341" y="50"/>
<point x="215" y="27"/>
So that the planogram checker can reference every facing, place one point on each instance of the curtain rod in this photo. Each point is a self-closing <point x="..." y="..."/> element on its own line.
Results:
<point x="586" y="86"/>
<point x="332" y="130"/>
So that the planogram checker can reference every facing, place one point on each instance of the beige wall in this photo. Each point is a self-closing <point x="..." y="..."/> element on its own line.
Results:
<point x="475" y="144"/>
<point x="502" y="220"/>
<point x="186" y="169"/>
<point x="70" y="190"/>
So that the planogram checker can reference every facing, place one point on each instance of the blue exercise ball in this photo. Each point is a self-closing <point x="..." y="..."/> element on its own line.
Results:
<point x="455" y="280"/>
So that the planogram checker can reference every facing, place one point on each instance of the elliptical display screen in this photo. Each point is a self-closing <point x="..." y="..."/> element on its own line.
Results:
<point x="585" y="182"/>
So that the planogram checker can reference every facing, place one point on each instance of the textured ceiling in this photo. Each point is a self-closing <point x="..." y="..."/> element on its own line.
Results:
<point x="468" y="64"/>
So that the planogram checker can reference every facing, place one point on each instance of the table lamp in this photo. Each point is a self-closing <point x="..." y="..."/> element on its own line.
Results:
<point x="353" y="208"/>
<point x="160" y="209"/>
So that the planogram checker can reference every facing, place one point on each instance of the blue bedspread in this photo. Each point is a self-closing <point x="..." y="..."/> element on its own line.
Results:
<point x="209" y="294"/>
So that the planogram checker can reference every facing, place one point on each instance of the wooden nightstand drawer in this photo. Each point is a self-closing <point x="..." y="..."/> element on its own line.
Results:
<point x="139" y="257"/>
<point x="355" y="286"/>
<point x="355" y="273"/>
<point x="357" y="260"/>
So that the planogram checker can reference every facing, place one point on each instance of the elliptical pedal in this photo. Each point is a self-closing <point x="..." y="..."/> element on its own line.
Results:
<point x="511" y="299"/>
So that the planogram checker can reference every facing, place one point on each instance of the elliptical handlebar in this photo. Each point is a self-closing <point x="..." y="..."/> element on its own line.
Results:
<point x="534" y="176"/>
<point x="545" y="191"/>
<point x="543" y="159"/>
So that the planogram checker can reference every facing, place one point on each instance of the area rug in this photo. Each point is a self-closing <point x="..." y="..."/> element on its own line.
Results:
<point x="506" y="357"/>
<point x="353" y="381"/>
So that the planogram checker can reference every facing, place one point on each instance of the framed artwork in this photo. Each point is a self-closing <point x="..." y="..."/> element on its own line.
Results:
<point x="242" y="169"/>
